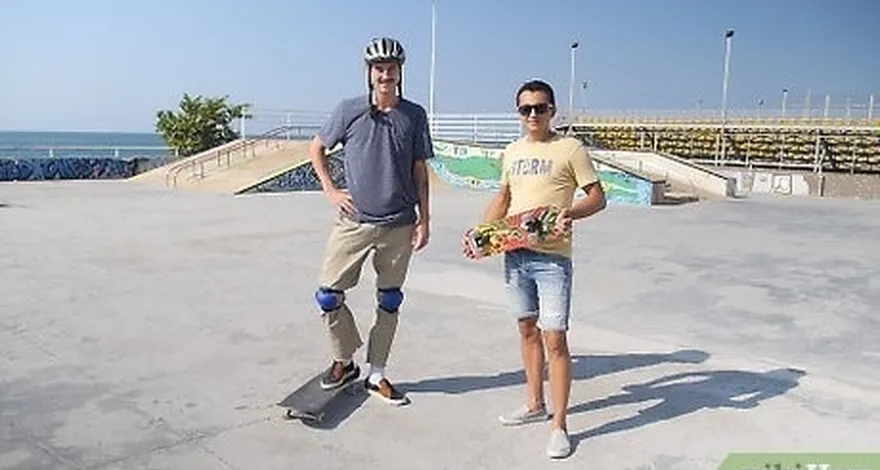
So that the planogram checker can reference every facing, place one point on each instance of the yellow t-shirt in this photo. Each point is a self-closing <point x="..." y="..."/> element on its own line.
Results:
<point x="545" y="173"/>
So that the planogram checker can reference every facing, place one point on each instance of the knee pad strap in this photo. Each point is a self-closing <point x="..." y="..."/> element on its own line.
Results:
<point x="390" y="299"/>
<point x="329" y="299"/>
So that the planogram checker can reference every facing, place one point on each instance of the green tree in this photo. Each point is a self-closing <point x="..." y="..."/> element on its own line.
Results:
<point x="200" y="124"/>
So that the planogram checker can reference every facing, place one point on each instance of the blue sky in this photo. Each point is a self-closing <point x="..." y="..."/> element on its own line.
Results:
<point x="110" y="64"/>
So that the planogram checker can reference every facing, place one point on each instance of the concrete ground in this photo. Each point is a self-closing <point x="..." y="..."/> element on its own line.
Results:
<point x="148" y="328"/>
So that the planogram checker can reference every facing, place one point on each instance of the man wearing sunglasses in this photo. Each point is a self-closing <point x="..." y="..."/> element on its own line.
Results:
<point x="542" y="168"/>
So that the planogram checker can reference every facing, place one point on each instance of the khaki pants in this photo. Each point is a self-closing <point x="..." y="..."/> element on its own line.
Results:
<point x="348" y="246"/>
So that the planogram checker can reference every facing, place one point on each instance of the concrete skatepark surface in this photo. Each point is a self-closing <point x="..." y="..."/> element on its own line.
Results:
<point x="148" y="328"/>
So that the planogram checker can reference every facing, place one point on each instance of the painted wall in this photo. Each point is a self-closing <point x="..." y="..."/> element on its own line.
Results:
<point x="801" y="183"/>
<point x="302" y="178"/>
<point x="467" y="167"/>
<point x="72" y="168"/>
<point x="37" y="169"/>
<point x="769" y="182"/>
<point x="478" y="168"/>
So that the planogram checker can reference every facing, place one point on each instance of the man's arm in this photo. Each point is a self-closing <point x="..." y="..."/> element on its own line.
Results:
<point x="588" y="179"/>
<point x="318" y="156"/>
<point x="499" y="204"/>
<point x="593" y="202"/>
<point x="420" y="175"/>
<point x="424" y="149"/>
<point x="331" y="133"/>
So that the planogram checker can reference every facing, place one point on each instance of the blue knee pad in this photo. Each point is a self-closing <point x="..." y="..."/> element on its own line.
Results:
<point x="329" y="299"/>
<point x="390" y="299"/>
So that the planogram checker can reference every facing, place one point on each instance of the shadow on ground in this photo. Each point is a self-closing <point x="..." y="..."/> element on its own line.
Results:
<point x="689" y="392"/>
<point x="584" y="367"/>
<point x="679" y="394"/>
<point x="340" y="408"/>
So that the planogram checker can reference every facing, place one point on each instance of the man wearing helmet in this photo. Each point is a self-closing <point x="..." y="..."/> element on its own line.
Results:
<point x="383" y="211"/>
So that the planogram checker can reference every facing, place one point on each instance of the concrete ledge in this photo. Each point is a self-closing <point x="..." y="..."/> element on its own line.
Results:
<point x="685" y="175"/>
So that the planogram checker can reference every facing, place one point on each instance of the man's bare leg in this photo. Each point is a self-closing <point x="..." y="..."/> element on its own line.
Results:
<point x="560" y="376"/>
<point x="532" y="348"/>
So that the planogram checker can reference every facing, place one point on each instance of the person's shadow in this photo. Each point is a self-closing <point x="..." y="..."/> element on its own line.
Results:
<point x="688" y="392"/>
<point x="584" y="367"/>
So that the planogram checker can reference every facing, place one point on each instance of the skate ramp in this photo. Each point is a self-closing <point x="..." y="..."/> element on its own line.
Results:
<point x="159" y="174"/>
<point x="302" y="177"/>
<point x="234" y="167"/>
<point x="682" y="175"/>
<point x="468" y="167"/>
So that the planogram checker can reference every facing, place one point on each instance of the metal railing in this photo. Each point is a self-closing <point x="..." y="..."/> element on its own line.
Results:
<point x="850" y="116"/>
<point x="487" y="128"/>
<point x="234" y="152"/>
<point x="88" y="151"/>
<point x="492" y="129"/>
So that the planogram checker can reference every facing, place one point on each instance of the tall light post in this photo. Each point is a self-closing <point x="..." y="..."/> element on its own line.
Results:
<point x="574" y="47"/>
<point x="433" y="64"/>
<point x="728" y="38"/>
<point x="584" y="97"/>
<point x="784" y="101"/>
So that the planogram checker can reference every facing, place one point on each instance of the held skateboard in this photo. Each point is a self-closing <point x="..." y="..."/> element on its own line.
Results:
<point x="310" y="401"/>
<point x="520" y="230"/>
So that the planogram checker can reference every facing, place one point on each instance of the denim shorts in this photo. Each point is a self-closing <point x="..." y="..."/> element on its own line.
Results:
<point x="539" y="284"/>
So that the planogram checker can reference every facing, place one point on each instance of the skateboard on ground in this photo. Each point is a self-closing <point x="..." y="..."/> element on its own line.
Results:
<point x="520" y="230"/>
<point x="310" y="402"/>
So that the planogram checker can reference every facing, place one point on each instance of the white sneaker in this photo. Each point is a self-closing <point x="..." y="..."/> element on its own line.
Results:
<point x="523" y="415"/>
<point x="558" y="446"/>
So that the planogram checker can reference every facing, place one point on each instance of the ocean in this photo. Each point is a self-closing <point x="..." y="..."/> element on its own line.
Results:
<point x="125" y="145"/>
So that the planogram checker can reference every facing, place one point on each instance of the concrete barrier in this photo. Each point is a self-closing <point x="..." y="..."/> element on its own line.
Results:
<point x="680" y="173"/>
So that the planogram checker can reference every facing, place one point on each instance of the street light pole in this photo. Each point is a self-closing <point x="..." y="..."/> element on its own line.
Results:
<point x="728" y="37"/>
<point x="433" y="64"/>
<point x="784" y="101"/>
<point x="574" y="47"/>
<point x="584" y="97"/>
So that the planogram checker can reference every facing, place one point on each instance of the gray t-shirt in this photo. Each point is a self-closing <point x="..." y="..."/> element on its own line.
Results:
<point x="380" y="150"/>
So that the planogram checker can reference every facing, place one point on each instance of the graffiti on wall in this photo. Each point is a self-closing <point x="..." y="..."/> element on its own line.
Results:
<point x="467" y="166"/>
<point x="36" y="169"/>
<point x="622" y="187"/>
<point x="472" y="167"/>
<point x="463" y="166"/>
<point x="765" y="182"/>
<point x="302" y="178"/>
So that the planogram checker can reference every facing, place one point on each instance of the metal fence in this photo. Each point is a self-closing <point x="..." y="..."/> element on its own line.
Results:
<point x="501" y="128"/>
<point x="483" y="128"/>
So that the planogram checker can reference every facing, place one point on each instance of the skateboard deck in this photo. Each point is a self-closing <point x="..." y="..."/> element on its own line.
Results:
<point x="310" y="402"/>
<point x="520" y="230"/>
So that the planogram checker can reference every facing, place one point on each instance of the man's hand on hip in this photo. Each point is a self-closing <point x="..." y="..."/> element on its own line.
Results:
<point x="342" y="200"/>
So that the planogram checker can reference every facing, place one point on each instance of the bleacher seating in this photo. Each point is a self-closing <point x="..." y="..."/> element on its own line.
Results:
<point x="835" y="145"/>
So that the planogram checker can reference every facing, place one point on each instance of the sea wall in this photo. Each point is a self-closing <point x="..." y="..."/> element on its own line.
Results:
<point x="74" y="168"/>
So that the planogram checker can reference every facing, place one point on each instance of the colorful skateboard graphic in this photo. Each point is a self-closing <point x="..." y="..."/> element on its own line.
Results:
<point x="521" y="230"/>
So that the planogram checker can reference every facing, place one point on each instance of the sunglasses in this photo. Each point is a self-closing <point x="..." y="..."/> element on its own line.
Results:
<point x="540" y="108"/>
